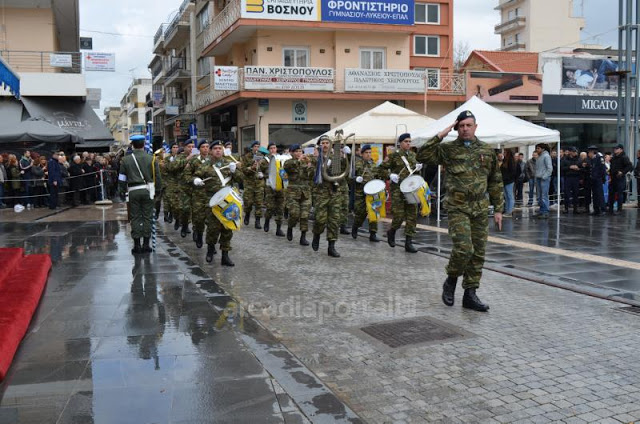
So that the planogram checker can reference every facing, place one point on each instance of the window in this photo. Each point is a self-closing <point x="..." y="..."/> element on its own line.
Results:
<point x="204" y="67"/>
<point x="426" y="13"/>
<point x="425" y="45"/>
<point x="296" y="56"/>
<point x="433" y="77"/>
<point x="518" y="38"/>
<point x="372" y="58"/>
<point x="203" y="19"/>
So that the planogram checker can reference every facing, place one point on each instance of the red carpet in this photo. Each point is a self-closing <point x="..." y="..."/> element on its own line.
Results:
<point x="22" y="280"/>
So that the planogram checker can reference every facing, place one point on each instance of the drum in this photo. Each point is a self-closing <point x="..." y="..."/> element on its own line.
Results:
<point x="278" y="178"/>
<point x="375" y="199"/>
<point x="416" y="192"/>
<point x="226" y="206"/>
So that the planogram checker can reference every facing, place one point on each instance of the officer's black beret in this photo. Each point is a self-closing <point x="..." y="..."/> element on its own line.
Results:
<point x="228" y="143"/>
<point x="403" y="137"/>
<point x="215" y="143"/>
<point x="255" y="143"/>
<point x="572" y="149"/>
<point x="462" y="116"/>
<point x="271" y="143"/>
<point x="294" y="147"/>
<point x="594" y="148"/>
<point x="619" y="146"/>
<point x="365" y="147"/>
<point x="323" y="137"/>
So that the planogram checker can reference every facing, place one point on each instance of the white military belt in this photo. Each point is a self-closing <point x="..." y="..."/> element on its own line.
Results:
<point x="139" y="187"/>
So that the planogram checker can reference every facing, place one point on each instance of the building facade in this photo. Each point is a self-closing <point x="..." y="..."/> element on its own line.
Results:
<point x="537" y="25"/>
<point x="285" y="74"/>
<point x="113" y="123"/>
<point x="133" y="108"/>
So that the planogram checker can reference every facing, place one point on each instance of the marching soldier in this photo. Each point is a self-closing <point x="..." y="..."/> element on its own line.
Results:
<point x="177" y="168"/>
<point x="210" y="176"/>
<point x="139" y="178"/>
<point x="199" y="198"/>
<point x="472" y="171"/>
<point x="171" y="191"/>
<point x="327" y="206"/>
<point x="300" y="172"/>
<point x="401" y="164"/>
<point x="366" y="170"/>
<point x="343" y="191"/>
<point x="253" y="185"/>
<point x="274" y="199"/>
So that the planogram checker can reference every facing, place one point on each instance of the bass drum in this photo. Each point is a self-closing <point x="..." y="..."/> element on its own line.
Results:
<point x="410" y="187"/>
<point x="226" y="206"/>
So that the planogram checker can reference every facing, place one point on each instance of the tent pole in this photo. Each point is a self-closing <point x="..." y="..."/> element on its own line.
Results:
<point x="439" y="179"/>
<point x="558" y="179"/>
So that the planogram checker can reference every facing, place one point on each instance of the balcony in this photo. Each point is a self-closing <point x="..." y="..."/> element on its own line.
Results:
<point x="222" y="21"/>
<point x="158" y="39"/>
<point x="43" y="62"/>
<point x="177" y="32"/>
<point x="507" y="3"/>
<point x="178" y="72"/>
<point x="514" y="24"/>
<point x="515" y="47"/>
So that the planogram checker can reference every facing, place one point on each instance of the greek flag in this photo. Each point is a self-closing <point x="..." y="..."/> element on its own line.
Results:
<point x="166" y="147"/>
<point x="317" y="180"/>
<point x="148" y="145"/>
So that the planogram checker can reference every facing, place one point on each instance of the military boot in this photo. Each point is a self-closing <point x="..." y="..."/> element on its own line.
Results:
<point x="226" y="261"/>
<point x="199" y="241"/>
<point x="279" y="232"/>
<point x="373" y="237"/>
<point x="211" y="250"/>
<point x="195" y="235"/>
<point x="257" y="225"/>
<point x="158" y="211"/>
<point x="247" y="217"/>
<point x="470" y="301"/>
<point x="408" y="245"/>
<point x="448" y="290"/>
<point x="137" y="248"/>
<point x="391" y="237"/>
<point x="166" y="216"/>
<point x="266" y="224"/>
<point x="176" y="225"/>
<point x="185" y="230"/>
<point x="354" y="232"/>
<point x="303" y="239"/>
<point x="169" y="217"/>
<point x="343" y="230"/>
<point x="315" y="243"/>
<point x="145" y="245"/>
<point x="289" y="233"/>
<point x="332" y="249"/>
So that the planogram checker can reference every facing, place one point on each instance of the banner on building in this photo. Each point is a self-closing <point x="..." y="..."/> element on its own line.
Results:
<point x="287" y="10"/>
<point x="391" y="12"/>
<point x="590" y="74"/>
<point x="384" y="80"/>
<point x="497" y="87"/>
<point x="105" y="62"/>
<point x="172" y="110"/>
<point x="288" y="78"/>
<point x="225" y="78"/>
<point x="158" y="98"/>
<point x="60" y="60"/>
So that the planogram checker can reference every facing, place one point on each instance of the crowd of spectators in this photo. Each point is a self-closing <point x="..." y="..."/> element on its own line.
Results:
<point x="38" y="180"/>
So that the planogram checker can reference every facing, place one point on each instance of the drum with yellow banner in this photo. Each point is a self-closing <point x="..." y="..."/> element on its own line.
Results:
<point x="278" y="178"/>
<point x="416" y="192"/>
<point x="375" y="199"/>
<point x="226" y="206"/>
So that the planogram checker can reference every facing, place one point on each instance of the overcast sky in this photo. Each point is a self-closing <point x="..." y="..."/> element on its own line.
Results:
<point x="133" y="24"/>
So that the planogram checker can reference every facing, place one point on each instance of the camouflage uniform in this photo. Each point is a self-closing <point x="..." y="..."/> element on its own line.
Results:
<point x="199" y="198"/>
<point x="401" y="210"/>
<point x="178" y="168"/>
<point x="368" y="171"/>
<point x="298" y="193"/>
<point x="273" y="199"/>
<point x="327" y="207"/>
<point x="215" y="230"/>
<point x="171" y="194"/>
<point x="253" y="187"/>
<point x="471" y="172"/>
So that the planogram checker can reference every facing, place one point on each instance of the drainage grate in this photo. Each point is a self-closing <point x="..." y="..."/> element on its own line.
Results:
<point x="630" y="309"/>
<point x="413" y="331"/>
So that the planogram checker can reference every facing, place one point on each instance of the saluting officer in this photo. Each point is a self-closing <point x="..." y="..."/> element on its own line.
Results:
<point x="140" y="178"/>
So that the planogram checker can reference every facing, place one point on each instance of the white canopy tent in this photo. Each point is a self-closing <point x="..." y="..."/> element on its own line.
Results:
<point x="495" y="127"/>
<point x="382" y="124"/>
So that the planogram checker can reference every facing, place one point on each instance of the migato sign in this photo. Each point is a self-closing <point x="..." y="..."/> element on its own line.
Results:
<point x="599" y="105"/>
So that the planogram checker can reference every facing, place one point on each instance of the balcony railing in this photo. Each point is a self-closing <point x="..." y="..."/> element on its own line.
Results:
<point x="180" y="19"/>
<point x="514" y="47"/>
<point x="159" y="33"/>
<point x="510" y="25"/>
<point x="48" y="62"/>
<point x="176" y="64"/>
<point x="222" y="21"/>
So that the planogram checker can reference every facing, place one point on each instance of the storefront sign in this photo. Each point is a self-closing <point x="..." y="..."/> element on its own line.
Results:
<point x="585" y="105"/>
<point x="172" y="110"/>
<point x="86" y="43"/>
<point x="225" y="78"/>
<point x="384" y="80"/>
<point x="300" y="112"/>
<point x="287" y="10"/>
<point x="288" y="78"/>
<point x="393" y="12"/>
<point x="60" y="60"/>
<point x="100" y="62"/>
<point x="495" y="87"/>
<point x="158" y="98"/>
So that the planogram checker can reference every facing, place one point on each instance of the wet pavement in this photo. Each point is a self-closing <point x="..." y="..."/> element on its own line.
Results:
<point x="169" y="339"/>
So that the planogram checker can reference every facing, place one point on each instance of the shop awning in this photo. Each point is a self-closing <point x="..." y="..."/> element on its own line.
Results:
<point x="581" y="119"/>
<point x="10" y="112"/>
<point x="9" y="78"/>
<point x="69" y="114"/>
<point x="89" y="145"/>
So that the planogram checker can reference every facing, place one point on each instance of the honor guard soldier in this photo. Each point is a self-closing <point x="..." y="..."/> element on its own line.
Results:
<point x="471" y="171"/>
<point x="199" y="198"/>
<point x="139" y="178"/>
<point x="274" y="199"/>
<point x="366" y="170"/>
<point x="253" y="195"/>
<point x="300" y="171"/>
<point x="213" y="177"/>
<point x="401" y="164"/>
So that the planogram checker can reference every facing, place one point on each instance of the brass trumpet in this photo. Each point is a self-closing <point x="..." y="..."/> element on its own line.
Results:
<point x="337" y="173"/>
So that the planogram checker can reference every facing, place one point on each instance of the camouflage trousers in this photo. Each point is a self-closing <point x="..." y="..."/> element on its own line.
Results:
<point x="253" y="196"/>
<point x="327" y="212"/>
<point x="344" y="203"/>
<point x="141" y="210"/>
<point x="184" y="202"/>
<point x="170" y="199"/>
<point x="403" y="212"/>
<point x="216" y="232"/>
<point x="299" y="205"/>
<point x="275" y="204"/>
<point x="360" y="213"/>
<point x="199" y="208"/>
<point x="469" y="231"/>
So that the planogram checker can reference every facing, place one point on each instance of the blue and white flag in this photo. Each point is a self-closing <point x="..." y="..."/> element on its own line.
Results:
<point x="193" y="131"/>
<point x="166" y="147"/>
<point x="148" y="145"/>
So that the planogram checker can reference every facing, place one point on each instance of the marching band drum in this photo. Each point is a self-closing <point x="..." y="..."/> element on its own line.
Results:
<point x="226" y="206"/>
